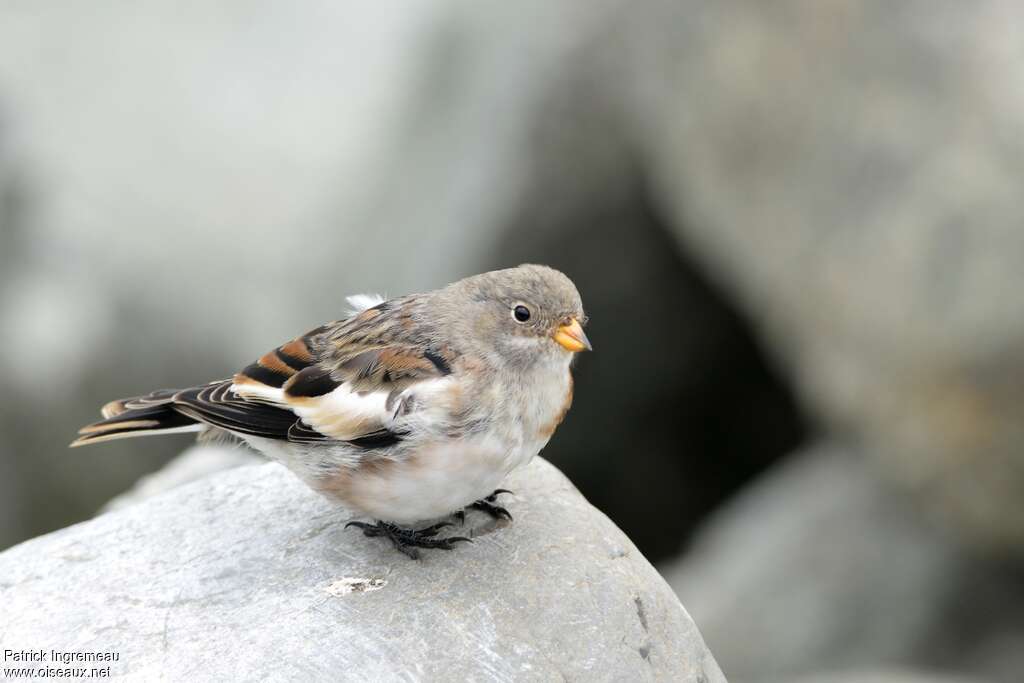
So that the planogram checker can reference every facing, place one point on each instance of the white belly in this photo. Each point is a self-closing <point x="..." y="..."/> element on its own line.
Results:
<point x="436" y="481"/>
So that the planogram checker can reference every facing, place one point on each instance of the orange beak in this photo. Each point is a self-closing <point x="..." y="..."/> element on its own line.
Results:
<point x="572" y="338"/>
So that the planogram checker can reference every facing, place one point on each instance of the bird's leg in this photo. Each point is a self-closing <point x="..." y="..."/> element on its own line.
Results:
<point x="487" y="505"/>
<point x="407" y="540"/>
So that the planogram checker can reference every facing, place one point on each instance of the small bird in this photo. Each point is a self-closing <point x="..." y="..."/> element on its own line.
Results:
<point x="408" y="411"/>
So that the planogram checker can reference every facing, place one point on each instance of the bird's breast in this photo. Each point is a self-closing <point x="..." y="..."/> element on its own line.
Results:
<point x="534" y="407"/>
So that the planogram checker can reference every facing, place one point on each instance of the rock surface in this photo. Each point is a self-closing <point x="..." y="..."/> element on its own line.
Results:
<point x="249" y="575"/>
<point x="886" y="676"/>
<point x="863" y="579"/>
<point x="197" y="462"/>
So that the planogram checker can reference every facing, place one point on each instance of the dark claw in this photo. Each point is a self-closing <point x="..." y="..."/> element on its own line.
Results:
<point x="432" y="530"/>
<point x="486" y="505"/>
<point x="370" y="530"/>
<point x="446" y="543"/>
<point x="407" y="540"/>
<point x="496" y="492"/>
<point x="495" y="511"/>
<point x="411" y="553"/>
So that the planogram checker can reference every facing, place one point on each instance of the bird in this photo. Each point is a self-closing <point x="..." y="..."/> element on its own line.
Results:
<point x="407" y="411"/>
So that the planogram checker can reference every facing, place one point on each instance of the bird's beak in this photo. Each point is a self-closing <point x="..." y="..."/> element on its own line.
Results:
<point x="572" y="338"/>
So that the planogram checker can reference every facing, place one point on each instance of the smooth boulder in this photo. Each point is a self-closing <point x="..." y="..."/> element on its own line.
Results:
<point x="249" y="575"/>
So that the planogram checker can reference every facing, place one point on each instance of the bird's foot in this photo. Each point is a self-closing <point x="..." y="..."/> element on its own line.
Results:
<point x="487" y="505"/>
<point x="407" y="540"/>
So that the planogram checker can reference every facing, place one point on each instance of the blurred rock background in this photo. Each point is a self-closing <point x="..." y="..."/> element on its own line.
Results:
<point x="795" y="226"/>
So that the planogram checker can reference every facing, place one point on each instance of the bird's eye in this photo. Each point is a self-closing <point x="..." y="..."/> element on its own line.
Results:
<point x="521" y="313"/>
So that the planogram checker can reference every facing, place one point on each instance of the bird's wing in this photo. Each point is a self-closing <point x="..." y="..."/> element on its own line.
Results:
<point x="371" y="381"/>
<point x="347" y="381"/>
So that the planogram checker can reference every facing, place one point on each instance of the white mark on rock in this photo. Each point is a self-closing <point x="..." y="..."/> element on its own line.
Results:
<point x="355" y="584"/>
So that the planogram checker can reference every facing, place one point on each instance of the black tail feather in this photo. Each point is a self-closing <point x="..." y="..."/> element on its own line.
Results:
<point x="151" y="418"/>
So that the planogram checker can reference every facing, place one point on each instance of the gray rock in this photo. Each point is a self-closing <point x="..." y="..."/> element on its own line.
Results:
<point x="851" y="172"/>
<point x="886" y="676"/>
<point x="197" y="462"/>
<point x="822" y="567"/>
<point x="248" y="575"/>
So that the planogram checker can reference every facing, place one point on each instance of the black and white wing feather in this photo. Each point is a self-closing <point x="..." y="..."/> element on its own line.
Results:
<point x="342" y="382"/>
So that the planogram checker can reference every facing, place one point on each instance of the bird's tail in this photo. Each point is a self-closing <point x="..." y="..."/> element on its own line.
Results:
<point x="138" y="416"/>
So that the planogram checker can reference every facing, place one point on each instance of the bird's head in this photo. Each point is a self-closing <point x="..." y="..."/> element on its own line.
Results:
<point x="523" y="315"/>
